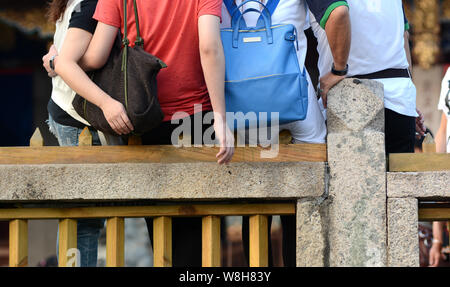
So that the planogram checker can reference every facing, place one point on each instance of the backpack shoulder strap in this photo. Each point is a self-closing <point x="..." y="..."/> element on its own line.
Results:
<point x="272" y="5"/>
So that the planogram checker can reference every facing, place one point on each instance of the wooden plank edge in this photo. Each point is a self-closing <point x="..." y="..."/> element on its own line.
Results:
<point x="419" y="162"/>
<point x="434" y="214"/>
<point x="149" y="211"/>
<point x="154" y="154"/>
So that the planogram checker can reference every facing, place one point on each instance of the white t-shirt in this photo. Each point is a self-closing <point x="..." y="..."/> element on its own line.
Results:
<point x="442" y="105"/>
<point x="378" y="28"/>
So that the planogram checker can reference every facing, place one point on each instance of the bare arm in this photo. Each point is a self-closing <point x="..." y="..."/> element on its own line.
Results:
<point x="213" y="64"/>
<point x="100" y="47"/>
<point x="67" y="67"/>
<point x="441" y="140"/>
<point x="338" y="29"/>
<point x="435" y="251"/>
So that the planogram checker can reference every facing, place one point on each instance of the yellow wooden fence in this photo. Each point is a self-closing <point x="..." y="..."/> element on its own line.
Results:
<point x="162" y="214"/>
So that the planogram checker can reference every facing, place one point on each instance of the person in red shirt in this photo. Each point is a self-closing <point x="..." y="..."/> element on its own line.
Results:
<point x="186" y="36"/>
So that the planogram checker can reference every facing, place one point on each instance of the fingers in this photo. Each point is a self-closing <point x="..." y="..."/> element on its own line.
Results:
<point x="120" y="125"/>
<point x="420" y="127"/>
<point x="127" y="122"/>
<point x="324" y="99"/>
<point x="225" y="155"/>
<point x="114" y="127"/>
<point x="432" y="262"/>
<point x="116" y="116"/>
<point x="226" y="151"/>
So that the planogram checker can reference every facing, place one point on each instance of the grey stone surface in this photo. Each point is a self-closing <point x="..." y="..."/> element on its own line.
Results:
<point x="357" y="213"/>
<point x="311" y="233"/>
<point x="423" y="185"/>
<point x="356" y="105"/>
<point x="161" y="181"/>
<point x="403" y="239"/>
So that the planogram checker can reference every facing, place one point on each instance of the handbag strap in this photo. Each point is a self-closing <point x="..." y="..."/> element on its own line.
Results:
<point x="139" y="42"/>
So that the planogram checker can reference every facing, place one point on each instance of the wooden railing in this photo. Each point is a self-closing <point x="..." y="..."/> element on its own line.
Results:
<point x="162" y="215"/>
<point x="162" y="223"/>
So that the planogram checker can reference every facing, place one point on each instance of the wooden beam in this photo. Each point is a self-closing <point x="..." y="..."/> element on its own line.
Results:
<point x="259" y="244"/>
<point x="18" y="243"/>
<point x="434" y="214"/>
<point x="149" y="211"/>
<point x="162" y="242"/>
<point x="211" y="253"/>
<point x="154" y="154"/>
<point x="36" y="139"/>
<point x="67" y="254"/>
<point x="115" y="242"/>
<point x="410" y="162"/>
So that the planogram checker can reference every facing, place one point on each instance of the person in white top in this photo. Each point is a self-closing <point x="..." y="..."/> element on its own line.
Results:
<point x="443" y="134"/>
<point x="380" y="51"/>
<point x="336" y="24"/>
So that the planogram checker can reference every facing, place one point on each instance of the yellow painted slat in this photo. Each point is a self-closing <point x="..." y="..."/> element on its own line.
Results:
<point x="211" y="253"/>
<point x="259" y="241"/>
<point x="67" y="252"/>
<point x="85" y="138"/>
<point x="36" y="139"/>
<point x="162" y="242"/>
<point x="115" y="242"/>
<point x="18" y="243"/>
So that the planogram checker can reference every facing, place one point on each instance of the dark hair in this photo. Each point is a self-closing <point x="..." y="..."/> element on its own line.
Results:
<point x="56" y="9"/>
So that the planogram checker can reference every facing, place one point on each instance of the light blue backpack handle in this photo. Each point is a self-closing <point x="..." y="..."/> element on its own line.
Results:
<point x="267" y="23"/>
<point x="236" y="14"/>
<point x="233" y="9"/>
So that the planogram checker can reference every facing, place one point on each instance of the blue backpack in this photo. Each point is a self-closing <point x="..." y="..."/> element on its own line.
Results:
<point x="262" y="75"/>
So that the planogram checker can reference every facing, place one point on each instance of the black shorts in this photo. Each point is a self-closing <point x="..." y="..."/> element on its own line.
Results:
<point x="400" y="132"/>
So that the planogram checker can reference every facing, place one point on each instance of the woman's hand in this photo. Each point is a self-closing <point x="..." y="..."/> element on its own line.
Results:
<point x="116" y="116"/>
<point x="226" y="140"/>
<point x="46" y="61"/>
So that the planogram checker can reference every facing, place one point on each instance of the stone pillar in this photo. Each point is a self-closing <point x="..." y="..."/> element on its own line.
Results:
<point x="357" y="161"/>
<point x="311" y="232"/>
<point x="403" y="241"/>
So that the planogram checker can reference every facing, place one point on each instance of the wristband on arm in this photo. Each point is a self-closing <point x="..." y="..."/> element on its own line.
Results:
<point x="339" y="72"/>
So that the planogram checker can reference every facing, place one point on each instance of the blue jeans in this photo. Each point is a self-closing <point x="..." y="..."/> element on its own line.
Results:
<point x="88" y="230"/>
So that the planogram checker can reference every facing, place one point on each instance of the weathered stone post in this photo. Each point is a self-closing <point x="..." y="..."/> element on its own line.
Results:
<point x="357" y="162"/>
